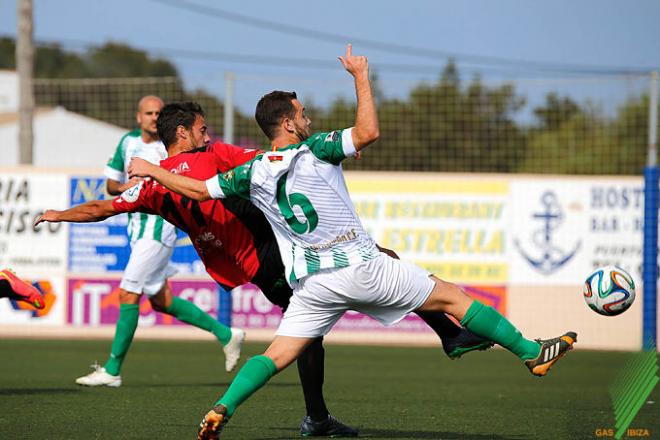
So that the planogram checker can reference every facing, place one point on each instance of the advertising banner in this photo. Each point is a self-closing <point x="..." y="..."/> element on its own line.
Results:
<point x="616" y="224"/>
<point x="454" y="227"/>
<point x="104" y="246"/>
<point x="251" y="310"/>
<point x="93" y="302"/>
<point x="96" y="247"/>
<point x="23" y="197"/>
<point x="562" y="229"/>
<point x="21" y="313"/>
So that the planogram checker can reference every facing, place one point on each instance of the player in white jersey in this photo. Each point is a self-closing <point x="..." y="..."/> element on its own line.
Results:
<point x="332" y="264"/>
<point x="152" y="243"/>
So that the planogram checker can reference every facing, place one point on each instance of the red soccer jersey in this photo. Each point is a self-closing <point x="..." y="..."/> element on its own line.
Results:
<point x="224" y="232"/>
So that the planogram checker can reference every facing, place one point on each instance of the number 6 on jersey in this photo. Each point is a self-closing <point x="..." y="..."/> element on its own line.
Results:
<point x="286" y="205"/>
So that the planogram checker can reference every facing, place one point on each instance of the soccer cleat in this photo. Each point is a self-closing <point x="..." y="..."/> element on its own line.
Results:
<point x="22" y="290"/>
<point x="551" y="351"/>
<point x="99" y="377"/>
<point x="329" y="427"/>
<point x="233" y="349"/>
<point x="212" y="423"/>
<point x="465" y="342"/>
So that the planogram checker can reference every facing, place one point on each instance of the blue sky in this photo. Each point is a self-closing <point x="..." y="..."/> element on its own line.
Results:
<point x="624" y="35"/>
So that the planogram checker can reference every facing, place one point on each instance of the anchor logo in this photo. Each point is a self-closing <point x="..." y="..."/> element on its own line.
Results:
<point x="551" y="257"/>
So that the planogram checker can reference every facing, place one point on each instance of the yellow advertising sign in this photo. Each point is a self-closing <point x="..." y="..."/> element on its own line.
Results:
<point x="452" y="226"/>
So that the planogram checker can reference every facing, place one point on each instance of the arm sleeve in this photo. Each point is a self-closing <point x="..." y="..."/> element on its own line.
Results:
<point x="332" y="147"/>
<point x="114" y="169"/>
<point x="134" y="199"/>
<point x="230" y="156"/>
<point x="235" y="182"/>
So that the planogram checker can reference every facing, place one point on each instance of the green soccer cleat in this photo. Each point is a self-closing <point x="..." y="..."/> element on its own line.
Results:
<point x="465" y="342"/>
<point x="551" y="351"/>
<point x="212" y="423"/>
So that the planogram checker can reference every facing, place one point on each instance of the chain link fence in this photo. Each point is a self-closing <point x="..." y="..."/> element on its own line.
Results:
<point x="552" y="126"/>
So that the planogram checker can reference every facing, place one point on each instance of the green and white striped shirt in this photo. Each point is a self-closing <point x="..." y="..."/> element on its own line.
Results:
<point x="302" y="192"/>
<point x="140" y="225"/>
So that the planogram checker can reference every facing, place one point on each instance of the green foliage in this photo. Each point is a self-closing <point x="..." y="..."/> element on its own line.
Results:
<point x="555" y="111"/>
<point x="578" y="140"/>
<point x="53" y="62"/>
<point x="112" y="60"/>
<point x="443" y="125"/>
<point x="7" y="53"/>
<point x="112" y="102"/>
<point x="104" y="100"/>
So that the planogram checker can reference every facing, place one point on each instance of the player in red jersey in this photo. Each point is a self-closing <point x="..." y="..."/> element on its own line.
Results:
<point x="232" y="237"/>
<point x="235" y="242"/>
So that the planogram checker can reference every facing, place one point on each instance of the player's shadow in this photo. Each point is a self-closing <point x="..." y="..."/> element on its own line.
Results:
<point x="200" y="384"/>
<point x="36" y="391"/>
<point x="413" y="434"/>
<point x="394" y="433"/>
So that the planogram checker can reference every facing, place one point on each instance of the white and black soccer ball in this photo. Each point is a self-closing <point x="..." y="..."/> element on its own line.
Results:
<point x="609" y="290"/>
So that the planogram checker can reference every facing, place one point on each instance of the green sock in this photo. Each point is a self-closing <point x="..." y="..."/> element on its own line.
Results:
<point x="189" y="313"/>
<point x="488" y="323"/>
<point x="254" y="374"/>
<point x="124" y="331"/>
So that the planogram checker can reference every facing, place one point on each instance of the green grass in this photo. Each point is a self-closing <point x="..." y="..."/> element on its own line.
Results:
<point x="388" y="393"/>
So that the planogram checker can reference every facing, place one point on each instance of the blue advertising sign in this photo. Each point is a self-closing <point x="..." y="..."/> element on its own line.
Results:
<point x="104" y="246"/>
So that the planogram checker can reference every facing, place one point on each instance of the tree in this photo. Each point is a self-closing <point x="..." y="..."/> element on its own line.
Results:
<point x="555" y="111"/>
<point x="589" y="142"/>
<point x="115" y="60"/>
<point x="7" y="53"/>
<point x="444" y="126"/>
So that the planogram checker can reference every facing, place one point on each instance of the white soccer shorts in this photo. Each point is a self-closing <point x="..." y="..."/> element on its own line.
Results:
<point x="383" y="288"/>
<point x="148" y="267"/>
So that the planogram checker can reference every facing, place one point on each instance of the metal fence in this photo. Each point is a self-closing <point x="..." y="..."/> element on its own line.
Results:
<point x="554" y="126"/>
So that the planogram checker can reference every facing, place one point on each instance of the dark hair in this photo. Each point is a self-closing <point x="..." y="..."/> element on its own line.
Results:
<point x="271" y="108"/>
<point x="174" y="114"/>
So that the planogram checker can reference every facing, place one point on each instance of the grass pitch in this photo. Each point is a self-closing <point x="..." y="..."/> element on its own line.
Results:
<point x="386" y="392"/>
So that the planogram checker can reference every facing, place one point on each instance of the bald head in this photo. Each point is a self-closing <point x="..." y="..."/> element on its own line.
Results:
<point x="150" y="100"/>
<point x="148" y="110"/>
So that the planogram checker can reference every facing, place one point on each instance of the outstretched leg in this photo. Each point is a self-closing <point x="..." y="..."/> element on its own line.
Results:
<point x="488" y="323"/>
<point x="456" y="340"/>
<point x="252" y="376"/>
<point x="317" y="421"/>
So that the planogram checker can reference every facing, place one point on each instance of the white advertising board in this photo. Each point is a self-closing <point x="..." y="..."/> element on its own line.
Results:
<point x="562" y="228"/>
<point x="23" y="196"/>
<point x="20" y="313"/>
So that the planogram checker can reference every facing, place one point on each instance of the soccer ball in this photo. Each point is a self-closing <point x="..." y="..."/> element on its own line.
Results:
<point x="609" y="290"/>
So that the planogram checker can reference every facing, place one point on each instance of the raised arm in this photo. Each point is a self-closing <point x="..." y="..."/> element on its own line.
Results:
<point x="94" y="211"/>
<point x="191" y="188"/>
<point x="366" y="128"/>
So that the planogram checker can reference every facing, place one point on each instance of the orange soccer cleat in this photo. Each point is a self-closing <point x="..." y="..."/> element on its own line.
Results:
<point x="21" y="290"/>
<point x="551" y="351"/>
<point x="212" y="423"/>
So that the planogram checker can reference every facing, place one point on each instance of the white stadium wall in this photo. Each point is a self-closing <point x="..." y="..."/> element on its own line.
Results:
<point x="523" y="244"/>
